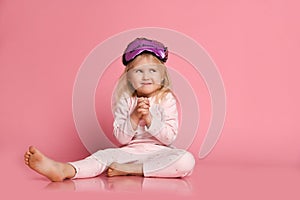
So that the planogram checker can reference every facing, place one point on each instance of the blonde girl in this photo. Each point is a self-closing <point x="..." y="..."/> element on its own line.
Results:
<point x="145" y="124"/>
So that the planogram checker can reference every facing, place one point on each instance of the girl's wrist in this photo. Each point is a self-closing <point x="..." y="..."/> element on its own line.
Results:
<point x="134" y="121"/>
<point x="148" y="121"/>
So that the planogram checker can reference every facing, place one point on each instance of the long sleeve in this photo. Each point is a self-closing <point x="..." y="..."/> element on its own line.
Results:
<point x="123" y="130"/>
<point x="163" y="128"/>
<point x="164" y="125"/>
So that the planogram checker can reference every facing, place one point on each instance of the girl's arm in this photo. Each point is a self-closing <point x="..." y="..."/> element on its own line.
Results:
<point x="123" y="130"/>
<point x="164" y="124"/>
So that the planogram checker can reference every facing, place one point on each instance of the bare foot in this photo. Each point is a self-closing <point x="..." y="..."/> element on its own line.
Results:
<point x="117" y="169"/>
<point x="55" y="171"/>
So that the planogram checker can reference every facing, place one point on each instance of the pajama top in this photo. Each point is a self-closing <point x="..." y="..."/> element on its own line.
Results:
<point x="164" y="125"/>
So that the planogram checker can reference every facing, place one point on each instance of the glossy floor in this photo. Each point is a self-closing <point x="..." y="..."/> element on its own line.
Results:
<point x="209" y="181"/>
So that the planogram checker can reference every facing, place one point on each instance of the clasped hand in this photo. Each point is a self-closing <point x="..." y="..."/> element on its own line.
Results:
<point x="141" y="112"/>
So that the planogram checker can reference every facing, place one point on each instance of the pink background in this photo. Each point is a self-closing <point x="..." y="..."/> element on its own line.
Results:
<point x="255" y="45"/>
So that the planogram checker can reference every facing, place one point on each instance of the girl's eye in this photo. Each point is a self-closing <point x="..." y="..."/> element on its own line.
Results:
<point x="138" y="71"/>
<point x="152" y="70"/>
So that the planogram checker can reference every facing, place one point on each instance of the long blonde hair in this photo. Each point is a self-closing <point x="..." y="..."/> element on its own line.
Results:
<point x="124" y="88"/>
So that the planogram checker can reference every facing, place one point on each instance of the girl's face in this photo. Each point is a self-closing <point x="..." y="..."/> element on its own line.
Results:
<point x="145" y="75"/>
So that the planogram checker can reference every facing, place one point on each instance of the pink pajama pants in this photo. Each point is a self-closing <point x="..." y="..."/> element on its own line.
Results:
<point x="157" y="160"/>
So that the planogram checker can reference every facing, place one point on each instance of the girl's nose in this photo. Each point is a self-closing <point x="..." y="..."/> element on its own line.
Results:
<point x="145" y="75"/>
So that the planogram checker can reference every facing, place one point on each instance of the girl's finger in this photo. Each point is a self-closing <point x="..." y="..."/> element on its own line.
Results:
<point x="143" y="110"/>
<point x="140" y="99"/>
<point x="143" y="105"/>
<point x="145" y="113"/>
<point x="146" y="100"/>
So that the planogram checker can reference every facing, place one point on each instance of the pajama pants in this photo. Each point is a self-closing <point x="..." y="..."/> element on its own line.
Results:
<point x="157" y="161"/>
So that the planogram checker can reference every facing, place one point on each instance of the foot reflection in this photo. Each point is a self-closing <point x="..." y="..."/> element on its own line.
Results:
<point x="123" y="183"/>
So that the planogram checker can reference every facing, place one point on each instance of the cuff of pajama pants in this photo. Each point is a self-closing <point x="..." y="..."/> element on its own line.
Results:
<point x="76" y="170"/>
<point x="88" y="167"/>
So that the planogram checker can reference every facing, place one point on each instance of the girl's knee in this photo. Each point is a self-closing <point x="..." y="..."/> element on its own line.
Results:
<point x="186" y="163"/>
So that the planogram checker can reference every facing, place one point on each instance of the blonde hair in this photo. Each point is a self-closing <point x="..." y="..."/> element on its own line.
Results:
<point x="125" y="89"/>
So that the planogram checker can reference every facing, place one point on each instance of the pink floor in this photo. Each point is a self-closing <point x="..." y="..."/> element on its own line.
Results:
<point x="210" y="180"/>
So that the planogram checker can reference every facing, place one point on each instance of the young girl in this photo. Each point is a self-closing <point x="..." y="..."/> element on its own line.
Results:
<point x="145" y="123"/>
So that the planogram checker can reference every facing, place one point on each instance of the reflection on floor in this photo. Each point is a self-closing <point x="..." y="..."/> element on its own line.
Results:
<point x="208" y="181"/>
<point x="122" y="183"/>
